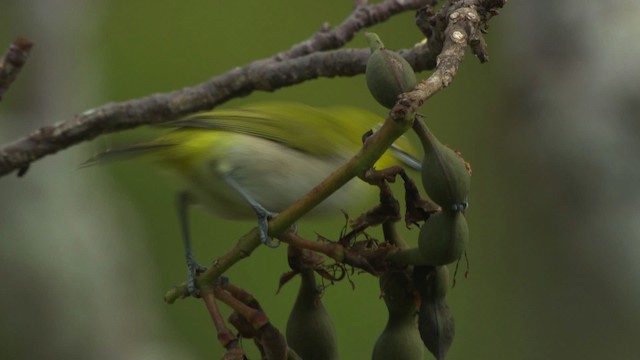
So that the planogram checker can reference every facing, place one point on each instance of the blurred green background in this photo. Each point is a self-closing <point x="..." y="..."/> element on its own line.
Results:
<point x="549" y="126"/>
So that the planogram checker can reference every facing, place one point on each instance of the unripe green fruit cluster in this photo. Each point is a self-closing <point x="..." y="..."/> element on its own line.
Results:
<point x="388" y="73"/>
<point x="442" y="240"/>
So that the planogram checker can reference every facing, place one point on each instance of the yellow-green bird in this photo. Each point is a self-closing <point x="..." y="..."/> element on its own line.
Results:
<point x="258" y="160"/>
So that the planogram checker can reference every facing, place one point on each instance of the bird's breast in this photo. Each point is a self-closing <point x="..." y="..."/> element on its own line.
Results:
<point x="272" y="174"/>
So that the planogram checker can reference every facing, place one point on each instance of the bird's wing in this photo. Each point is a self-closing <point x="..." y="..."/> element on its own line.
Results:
<point x="298" y="126"/>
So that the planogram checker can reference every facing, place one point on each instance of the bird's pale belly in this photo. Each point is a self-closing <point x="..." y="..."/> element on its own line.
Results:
<point x="273" y="175"/>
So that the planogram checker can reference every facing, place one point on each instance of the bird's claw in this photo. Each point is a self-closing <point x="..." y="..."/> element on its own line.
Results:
<point x="194" y="269"/>
<point x="263" y="225"/>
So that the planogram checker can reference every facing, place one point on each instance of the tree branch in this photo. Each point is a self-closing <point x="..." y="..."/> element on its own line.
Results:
<point x="363" y="16"/>
<point x="463" y="30"/>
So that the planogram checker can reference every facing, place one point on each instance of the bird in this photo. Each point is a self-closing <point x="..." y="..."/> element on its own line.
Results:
<point x="254" y="161"/>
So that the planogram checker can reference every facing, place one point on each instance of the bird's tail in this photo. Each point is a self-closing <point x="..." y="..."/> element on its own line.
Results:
<point x="124" y="153"/>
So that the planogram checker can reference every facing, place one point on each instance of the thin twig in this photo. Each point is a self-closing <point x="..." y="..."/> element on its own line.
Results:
<point x="225" y="335"/>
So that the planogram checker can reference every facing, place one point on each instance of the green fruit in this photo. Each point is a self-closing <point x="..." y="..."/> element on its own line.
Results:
<point x="388" y="73"/>
<point x="445" y="174"/>
<point x="310" y="331"/>
<point x="443" y="238"/>
<point x="400" y="339"/>
<point x="437" y="327"/>
<point x="435" y="320"/>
